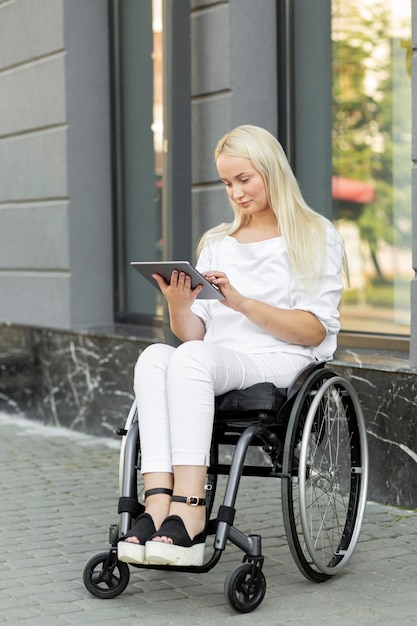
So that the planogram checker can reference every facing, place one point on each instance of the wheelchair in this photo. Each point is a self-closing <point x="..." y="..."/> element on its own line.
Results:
<point x="312" y="436"/>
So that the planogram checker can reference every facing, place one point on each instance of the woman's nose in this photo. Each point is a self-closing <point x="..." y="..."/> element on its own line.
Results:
<point x="237" y="192"/>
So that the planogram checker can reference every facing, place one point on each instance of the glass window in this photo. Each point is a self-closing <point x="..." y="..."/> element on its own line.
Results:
<point x="138" y="115"/>
<point x="371" y="160"/>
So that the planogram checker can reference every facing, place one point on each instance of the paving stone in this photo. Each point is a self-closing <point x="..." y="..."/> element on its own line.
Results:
<point x="58" y="496"/>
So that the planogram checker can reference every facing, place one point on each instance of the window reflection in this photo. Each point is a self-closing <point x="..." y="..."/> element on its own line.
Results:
<point x="139" y="130"/>
<point x="371" y="185"/>
<point x="158" y="129"/>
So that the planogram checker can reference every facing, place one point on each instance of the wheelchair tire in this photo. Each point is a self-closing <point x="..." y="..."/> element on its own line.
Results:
<point x="241" y="590"/>
<point x="326" y="460"/>
<point x="105" y="584"/>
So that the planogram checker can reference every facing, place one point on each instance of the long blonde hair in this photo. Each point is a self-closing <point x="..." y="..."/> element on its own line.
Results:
<point x="302" y="228"/>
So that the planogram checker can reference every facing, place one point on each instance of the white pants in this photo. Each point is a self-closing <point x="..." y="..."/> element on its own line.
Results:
<point x="175" y="390"/>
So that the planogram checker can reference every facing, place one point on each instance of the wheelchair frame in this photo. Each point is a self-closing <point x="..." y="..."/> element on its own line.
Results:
<point x="323" y="467"/>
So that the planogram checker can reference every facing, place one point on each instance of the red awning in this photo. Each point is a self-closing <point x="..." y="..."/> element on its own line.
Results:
<point x="351" y="190"/>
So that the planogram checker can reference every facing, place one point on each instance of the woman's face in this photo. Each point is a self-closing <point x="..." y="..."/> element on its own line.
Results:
<point x="244" y="184"/>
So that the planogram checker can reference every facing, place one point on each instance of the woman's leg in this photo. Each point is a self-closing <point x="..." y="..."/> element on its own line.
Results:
<point x="197" y="372"/>
<point x="154" y="431"/>
<point x="150" y="386"/>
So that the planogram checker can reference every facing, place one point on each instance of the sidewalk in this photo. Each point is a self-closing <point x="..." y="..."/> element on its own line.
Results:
<point x="58" y="495"/>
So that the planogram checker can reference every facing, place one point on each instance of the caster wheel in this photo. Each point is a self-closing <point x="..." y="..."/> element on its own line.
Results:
<point x="242" y="591"/>
<point x="103" y="581"/>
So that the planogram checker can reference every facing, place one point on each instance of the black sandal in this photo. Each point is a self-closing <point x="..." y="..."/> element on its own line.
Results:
<point x="142" y="529"/>
<point x="183" y="550"/>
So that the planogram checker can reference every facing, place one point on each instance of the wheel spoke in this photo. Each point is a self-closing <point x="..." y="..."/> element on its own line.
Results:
<point x="97" y="578"/>
<point x="104" y="577"/>
<point x="113" y="582"/>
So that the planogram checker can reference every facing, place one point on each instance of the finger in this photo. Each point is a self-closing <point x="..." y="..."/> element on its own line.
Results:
<point x="160" y="280"/>
<point x="213" y="274"/>
<point x="196" y="290"/>
<point x="174" y="278"/>
<point x="220" y="281"/>
<point x="183" y="280"/>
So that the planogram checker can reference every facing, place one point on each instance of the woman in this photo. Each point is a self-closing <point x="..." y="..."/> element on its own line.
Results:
<point x="279" y="266"/>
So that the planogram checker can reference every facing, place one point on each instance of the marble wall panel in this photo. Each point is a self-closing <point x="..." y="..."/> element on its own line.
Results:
<point x="82" y="381"/>
<point x="389" y="401"/>
<point x="20" y="374"/>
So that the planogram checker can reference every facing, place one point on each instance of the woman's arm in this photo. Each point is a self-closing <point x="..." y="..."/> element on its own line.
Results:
<point x="291" y="325"/>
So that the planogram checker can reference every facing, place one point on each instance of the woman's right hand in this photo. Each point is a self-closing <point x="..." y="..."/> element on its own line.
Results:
<point x="178" y="292"/>
<point x="184" y="323"/>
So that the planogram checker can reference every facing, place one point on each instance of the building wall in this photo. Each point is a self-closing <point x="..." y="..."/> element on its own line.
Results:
<point x="55" y="201"/>
<point x="233" y="82"/>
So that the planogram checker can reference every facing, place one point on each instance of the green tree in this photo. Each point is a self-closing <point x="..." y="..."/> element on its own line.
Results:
<point x="370" y="130"/>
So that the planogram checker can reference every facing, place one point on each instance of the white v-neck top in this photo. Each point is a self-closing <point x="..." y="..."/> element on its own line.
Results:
<point x="261" y="270"/>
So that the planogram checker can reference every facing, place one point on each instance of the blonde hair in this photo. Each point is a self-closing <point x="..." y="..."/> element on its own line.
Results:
<point x="302" y="228"/>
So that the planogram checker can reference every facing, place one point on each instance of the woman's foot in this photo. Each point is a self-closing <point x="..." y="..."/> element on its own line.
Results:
<point x="194" y="516"/>
<point x="131" y="549"/>
<point x="172" y="545"/>
<point x="181" y="537"/>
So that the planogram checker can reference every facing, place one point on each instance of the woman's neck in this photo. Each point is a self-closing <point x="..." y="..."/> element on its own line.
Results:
<point x="257" y="230"/>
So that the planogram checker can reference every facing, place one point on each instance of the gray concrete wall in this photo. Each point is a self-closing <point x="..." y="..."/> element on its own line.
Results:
<point x="34" y="262"/>
<point x="88" y="161"/>
<point x="233" y="82"/>
<point x="53" y="82"/>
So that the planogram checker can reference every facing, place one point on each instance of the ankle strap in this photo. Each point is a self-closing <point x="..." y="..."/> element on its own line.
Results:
<point x="157" y="490"/>
<point x="191" y="500"/>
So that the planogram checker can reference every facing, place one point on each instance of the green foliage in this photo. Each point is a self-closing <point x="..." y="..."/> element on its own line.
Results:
<point x="386" y="294"/>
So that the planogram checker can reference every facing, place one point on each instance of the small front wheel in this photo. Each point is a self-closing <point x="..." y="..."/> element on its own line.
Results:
<point x="104" y="580"/>
<point x="243" y="590"/>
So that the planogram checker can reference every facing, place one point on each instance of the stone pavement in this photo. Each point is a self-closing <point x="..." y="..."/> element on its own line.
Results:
<point x="58" y="495"/>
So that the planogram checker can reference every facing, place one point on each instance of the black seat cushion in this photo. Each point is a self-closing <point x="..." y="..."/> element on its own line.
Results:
<point x="262" y="401"/>
<point x="259" y="398"/>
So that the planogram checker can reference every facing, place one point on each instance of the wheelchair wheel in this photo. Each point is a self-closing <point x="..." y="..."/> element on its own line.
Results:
<point x="242" y="591"/>
<point x="326" y="458"/>
<point x="104" y="581"/>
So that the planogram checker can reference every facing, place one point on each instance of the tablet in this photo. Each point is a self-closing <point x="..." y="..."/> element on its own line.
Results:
<point x="165" y="269"/>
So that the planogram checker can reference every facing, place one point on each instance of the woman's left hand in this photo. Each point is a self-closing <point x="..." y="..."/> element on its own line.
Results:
<point x="233" y="298"/>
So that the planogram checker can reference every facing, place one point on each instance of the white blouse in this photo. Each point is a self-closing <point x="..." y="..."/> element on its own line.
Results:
<point x="261" y="270"/>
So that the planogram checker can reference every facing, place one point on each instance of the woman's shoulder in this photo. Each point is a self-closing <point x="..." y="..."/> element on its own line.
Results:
<point x="209" y="248"/>
<point x="213" y="241"/>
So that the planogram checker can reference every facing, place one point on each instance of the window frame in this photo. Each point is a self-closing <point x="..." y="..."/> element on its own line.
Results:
<point x="176" y="180"/>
